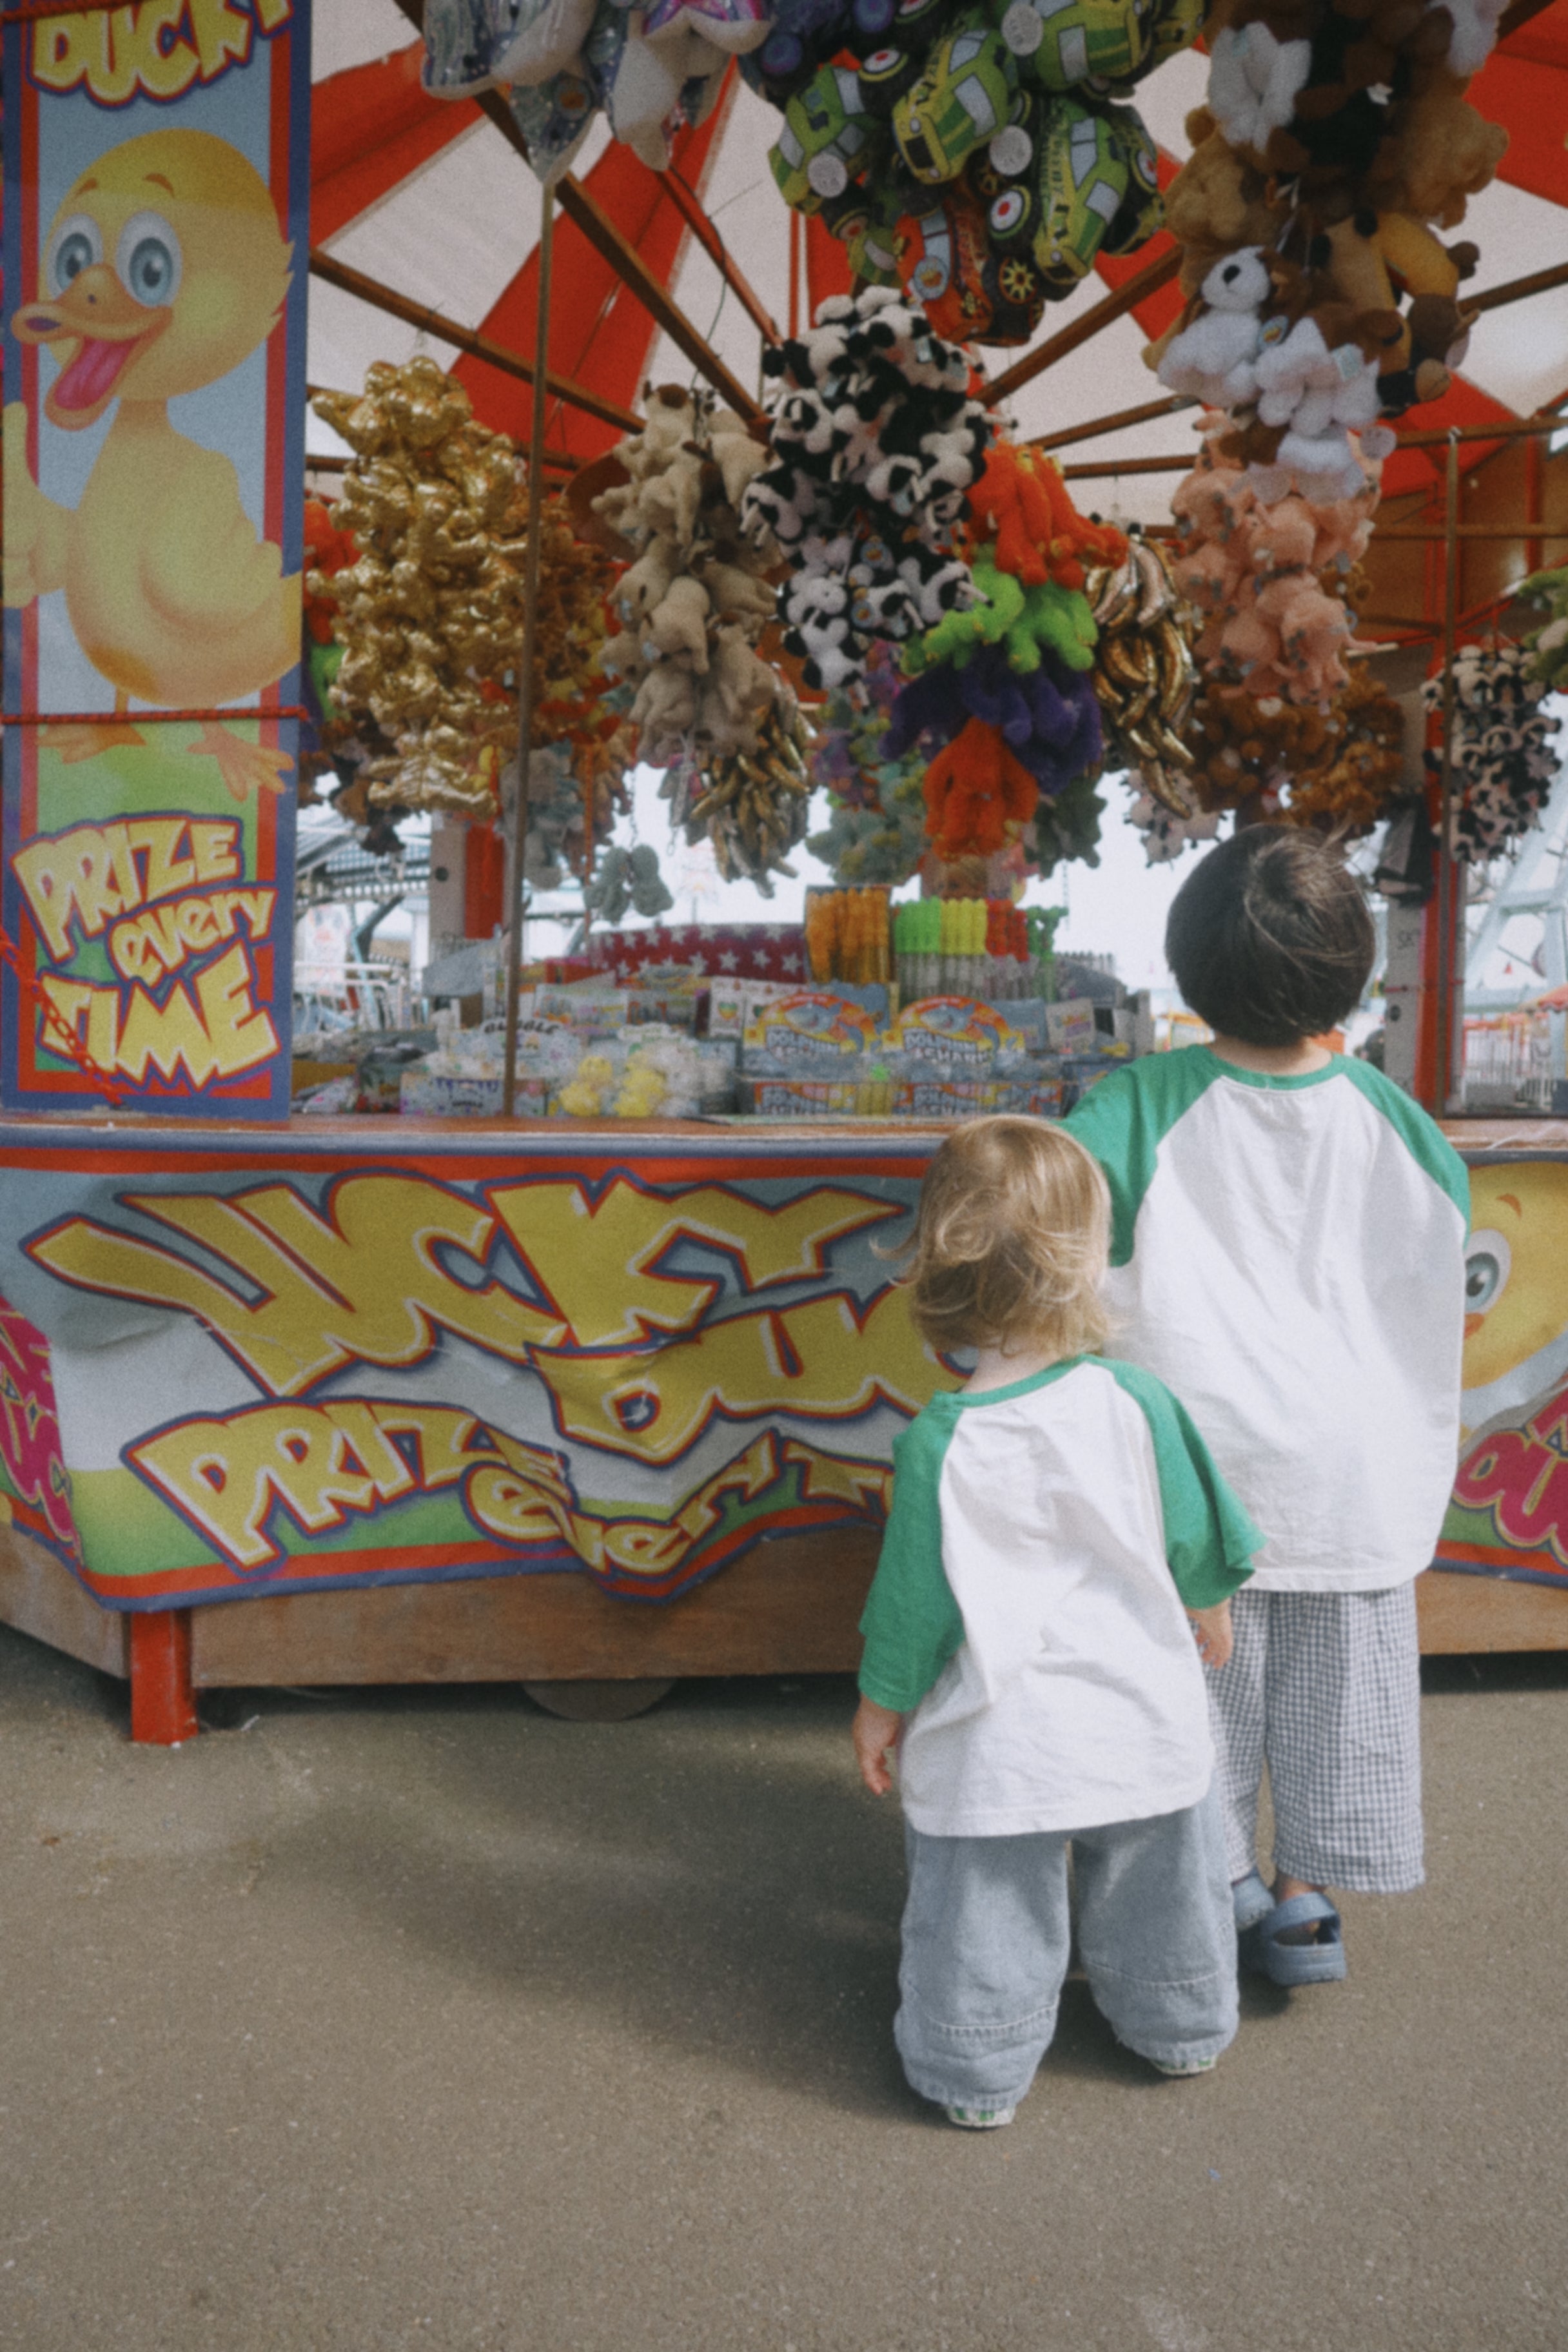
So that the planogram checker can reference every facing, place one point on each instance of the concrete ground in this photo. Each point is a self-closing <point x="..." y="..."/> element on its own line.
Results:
<point x="422" y="2019"/>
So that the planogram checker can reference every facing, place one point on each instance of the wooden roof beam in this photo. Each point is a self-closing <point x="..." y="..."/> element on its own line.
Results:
<point x="708" y="236"/>
<point x="1139" y="287"/>
<point x="479" y="347"/>
<point x="628" y="264"/>
<point x="1170" y="405"/>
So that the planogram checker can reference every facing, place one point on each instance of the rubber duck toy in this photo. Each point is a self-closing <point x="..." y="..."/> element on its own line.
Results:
<point x="164" y="268"/>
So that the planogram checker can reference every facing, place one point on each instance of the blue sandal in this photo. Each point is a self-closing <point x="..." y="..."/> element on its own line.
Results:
<point x="1252" y="1899"/>
<point x="1323" y="1962"/>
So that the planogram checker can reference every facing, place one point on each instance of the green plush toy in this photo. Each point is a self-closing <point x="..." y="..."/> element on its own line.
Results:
<point x="1026" y="621"/>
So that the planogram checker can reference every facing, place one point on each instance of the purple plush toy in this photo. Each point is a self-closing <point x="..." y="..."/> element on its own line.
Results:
<point x="1049" y="717"/>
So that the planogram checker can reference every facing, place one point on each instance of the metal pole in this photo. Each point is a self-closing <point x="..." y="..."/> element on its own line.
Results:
<point x="517" y="824"/>
<point x="1447" y="875"/>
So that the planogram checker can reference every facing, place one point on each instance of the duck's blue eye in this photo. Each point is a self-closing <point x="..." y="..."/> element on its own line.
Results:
<point x="75" y="247"/>
<point x="148" y="261"/>
<point x="1488" y="1261"/>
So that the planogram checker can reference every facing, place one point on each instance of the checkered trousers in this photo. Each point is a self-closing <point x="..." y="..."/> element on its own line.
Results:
<point x="1325" y="1689"/>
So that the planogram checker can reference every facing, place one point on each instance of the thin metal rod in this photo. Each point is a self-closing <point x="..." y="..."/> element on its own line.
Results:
<point x="517" y="826"/>
<point x="1447" y="876"/>
<point x="689" y="204"/>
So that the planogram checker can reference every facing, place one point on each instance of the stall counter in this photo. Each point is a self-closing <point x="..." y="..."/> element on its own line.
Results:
<point x="378" y="1399"/>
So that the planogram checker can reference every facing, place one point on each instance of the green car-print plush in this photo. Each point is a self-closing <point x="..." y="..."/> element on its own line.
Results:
<point x="1083" y="182"/>
<point x="964" y="98"/>
<point x="828" y="140"/>
<point x="1064" y="43"/>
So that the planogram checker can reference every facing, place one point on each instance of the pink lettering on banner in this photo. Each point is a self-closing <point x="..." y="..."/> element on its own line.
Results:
<point x="1519" y="1477"/>
<point x="29" y="1432"/>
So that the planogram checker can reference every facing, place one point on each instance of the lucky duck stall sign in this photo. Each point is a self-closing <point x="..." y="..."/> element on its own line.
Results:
<point x="281" y="1365"/>
<point x="155" y="234"/>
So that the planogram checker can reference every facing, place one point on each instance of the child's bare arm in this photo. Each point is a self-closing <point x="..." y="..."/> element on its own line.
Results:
<point x="876" y="1732"/>
<point x="1211" y="1632"/>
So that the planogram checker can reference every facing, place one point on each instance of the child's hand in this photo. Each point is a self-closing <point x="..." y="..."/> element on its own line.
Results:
<point x="1211" y="1632"/>
<point x="876" y="1732"/>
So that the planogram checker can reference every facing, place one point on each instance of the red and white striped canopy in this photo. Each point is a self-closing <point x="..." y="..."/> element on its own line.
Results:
<point x="428" y="198"/>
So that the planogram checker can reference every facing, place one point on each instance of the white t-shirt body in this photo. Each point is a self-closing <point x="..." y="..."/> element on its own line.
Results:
<point x="1288" y="1256"/>
<point x="1028" y="1606"/>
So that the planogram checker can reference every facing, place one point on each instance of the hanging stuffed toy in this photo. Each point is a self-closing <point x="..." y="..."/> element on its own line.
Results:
<point x="1548" y="646"/>
<point x="874" y="442"/>
<point x="1504" y="759"/>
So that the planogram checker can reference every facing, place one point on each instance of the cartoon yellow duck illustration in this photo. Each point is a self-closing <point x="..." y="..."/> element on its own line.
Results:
<point x="1516" y="1322"/>
<point x="164" y="268"/>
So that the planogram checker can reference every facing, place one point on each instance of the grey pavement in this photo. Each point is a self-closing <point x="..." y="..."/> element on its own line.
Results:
<point x="421" y="2018"/>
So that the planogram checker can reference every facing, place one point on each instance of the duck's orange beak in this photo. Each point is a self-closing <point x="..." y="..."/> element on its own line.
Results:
<point x="107" y="326"/>
<point x="1472" y="1325"/>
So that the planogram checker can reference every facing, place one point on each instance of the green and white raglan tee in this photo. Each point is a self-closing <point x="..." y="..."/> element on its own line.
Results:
<point x="1288" y="1254"/>
<point x="1028" y="1606"/>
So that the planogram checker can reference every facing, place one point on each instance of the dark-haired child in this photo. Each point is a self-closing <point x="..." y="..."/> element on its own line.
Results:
<point x="1288" y="1252"/>
<point x="1028" y="1654"/>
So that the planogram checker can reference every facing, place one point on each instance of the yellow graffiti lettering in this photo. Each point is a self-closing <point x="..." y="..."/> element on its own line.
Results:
<point x="169" y="867"/>
<point x="88" y="874"/>
<point x="156" y="46"/>
<point x="78" y="1015"/>
<point x="813" y="1359"/>
<point x="146" y="945"/>
<point x="318" y="1461"/>
<point x="94" y="873"/>
<point x="222" y="36"/>
<point x="69" y="49"/>
<point x="364" y="1284"/>
<point x="214" y="850"/>
<point x="749" y="1475"/>
<point x="158" y="940"/>
<point x="835" y="1477"/>
<point x="443" y="1441"/>
<point x="594" y="1259"/>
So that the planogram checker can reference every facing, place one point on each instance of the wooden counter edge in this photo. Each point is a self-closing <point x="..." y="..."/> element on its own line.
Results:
<point x="789" y="1607"/>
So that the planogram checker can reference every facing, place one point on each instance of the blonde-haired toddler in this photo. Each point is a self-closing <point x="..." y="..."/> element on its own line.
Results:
<point x="1055" y="1525"/>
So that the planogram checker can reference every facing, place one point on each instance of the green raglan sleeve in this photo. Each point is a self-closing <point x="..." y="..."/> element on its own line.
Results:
<point x="1209" y="1539"/>
<point x="1123" y="1119"/>
<point x="911" y="1621"/>
<point x="1418" y="1131"/>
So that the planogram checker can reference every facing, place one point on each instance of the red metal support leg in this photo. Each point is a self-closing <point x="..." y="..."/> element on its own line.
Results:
<point x="162" y="1704"/>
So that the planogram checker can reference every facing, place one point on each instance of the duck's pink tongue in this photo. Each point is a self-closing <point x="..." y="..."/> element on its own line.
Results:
<point x="92" y="374"/>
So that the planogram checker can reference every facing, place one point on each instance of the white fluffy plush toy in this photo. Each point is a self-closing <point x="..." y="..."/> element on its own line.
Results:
<point x="1214" y="358"/>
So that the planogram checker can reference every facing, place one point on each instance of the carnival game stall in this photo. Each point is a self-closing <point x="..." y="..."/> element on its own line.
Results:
<point x="558" y="1337"/>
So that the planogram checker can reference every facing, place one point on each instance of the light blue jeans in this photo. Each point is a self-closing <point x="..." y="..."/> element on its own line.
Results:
<point x="986" y="1938"/>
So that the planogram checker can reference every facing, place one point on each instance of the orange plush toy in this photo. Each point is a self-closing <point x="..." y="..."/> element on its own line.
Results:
<point x="977" y="793"/>
<point x="1022" y="500"/>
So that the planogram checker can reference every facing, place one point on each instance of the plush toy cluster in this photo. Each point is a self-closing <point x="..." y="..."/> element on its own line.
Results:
<point x="696" y="598"/>
<point x="876" y="826"/>
<point x="971" y="151"/>
<point x="1503" y="754"/>
<point x="1268" y="576"/>
<point x="873" y="443"/>
<point x="1548" y="646"/>
<point x="749" y="806"/>
<point x="561" y="62"/>
<point x="1001" y="687"/>
<point x="1336" y="142"/>
<point x="430" y="612"/>
<point x="1338" y="770"/>
<point x="1145" y="673"/>
<point x="626" y="880"/>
